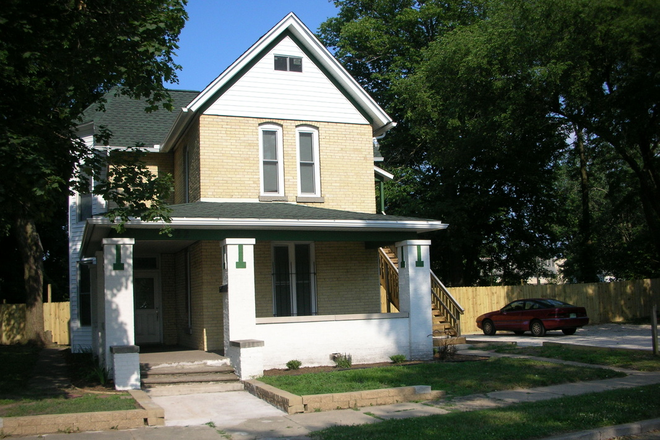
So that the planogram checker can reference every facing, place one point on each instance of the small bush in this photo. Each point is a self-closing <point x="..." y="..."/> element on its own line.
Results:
<point x="446" y="352"/>
<point x="343" y="360"/>
<point x="293" y="364"/>
<point x="398" y="358"/>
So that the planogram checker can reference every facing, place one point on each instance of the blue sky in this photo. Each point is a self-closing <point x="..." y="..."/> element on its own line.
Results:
<point x="219" y="31"/>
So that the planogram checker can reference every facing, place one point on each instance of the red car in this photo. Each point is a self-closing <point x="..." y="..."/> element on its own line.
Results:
<point x="535" y="315"/>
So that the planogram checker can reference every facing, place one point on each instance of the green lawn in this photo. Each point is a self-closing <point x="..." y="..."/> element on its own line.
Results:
<point x="631" y="359"/>
<point x="455" y="378"/>
<point x="18" y="399"/>
<point x="521" y="421"/>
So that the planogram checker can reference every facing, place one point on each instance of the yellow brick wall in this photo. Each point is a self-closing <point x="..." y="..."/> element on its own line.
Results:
<point x="160" y="164"/>
<point x="206" y="278"/>
<point x="191" y="140"/>
<point x="346" y="278"/>
<point x="229" y="161"/>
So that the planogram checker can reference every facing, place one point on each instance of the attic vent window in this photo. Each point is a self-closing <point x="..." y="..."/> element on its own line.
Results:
<point x="290" y="64"/>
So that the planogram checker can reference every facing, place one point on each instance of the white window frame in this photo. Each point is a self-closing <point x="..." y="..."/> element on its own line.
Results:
<point x="316" y="161"/>
<point x="291" y="245"/>
<point x="280" y="162"/>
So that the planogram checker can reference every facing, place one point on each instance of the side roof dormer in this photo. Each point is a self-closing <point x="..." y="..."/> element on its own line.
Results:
<point x="246" y="82"/>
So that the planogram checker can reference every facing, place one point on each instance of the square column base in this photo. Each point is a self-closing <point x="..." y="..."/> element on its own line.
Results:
<point x="126" y="367"/>
<point x="247" y="358"/>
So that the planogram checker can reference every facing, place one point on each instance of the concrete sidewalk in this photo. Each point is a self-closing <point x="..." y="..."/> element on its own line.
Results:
<point x="243" y="416"/>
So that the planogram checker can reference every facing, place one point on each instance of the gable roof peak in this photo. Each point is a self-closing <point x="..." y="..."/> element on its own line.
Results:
<point x="291" y="26"/>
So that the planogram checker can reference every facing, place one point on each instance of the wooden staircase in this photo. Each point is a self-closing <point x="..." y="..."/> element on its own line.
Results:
<point x="446" y="312"/>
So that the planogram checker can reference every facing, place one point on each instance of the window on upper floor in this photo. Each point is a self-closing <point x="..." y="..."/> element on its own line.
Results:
<point x="270" y="155"/>
<point x="307" y="139"/>
<point x="287" y="63"/>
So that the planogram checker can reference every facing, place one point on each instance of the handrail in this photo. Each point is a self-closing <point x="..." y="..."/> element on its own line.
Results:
<point x="446" y="303"/>
<point x="389" y="279"/>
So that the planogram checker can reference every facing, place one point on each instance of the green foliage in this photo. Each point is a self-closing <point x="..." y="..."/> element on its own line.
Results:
<point x="398" y="358"/>
<point x="490" y="99"/>
<point x="343" y="360"/>
<point x="293" y="364"/>
<point x="70" y="404"/>
<point x="523" y="421"/>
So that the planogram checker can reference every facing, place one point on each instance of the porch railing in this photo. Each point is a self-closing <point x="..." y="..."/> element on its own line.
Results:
<point x="446" y="303"/>
<point x="441" y="299"/>
<point x="389" y="279"/>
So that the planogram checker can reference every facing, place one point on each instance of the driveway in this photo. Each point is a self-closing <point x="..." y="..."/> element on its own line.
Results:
<point x="629" y="336"/>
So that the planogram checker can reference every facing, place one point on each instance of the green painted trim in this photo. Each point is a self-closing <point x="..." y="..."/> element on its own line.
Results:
<point x="118" y="264"/>
<point x="420" y="261"/>
<point x="265" y="235"/>
<point x="240" y="264"/>
<point x="403" y="256"/>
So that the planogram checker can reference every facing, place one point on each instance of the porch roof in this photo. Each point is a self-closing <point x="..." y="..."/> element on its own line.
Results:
<point x="265" y="221"/>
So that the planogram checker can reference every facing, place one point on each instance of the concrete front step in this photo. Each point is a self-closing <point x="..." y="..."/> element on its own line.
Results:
<point x="187" y="373"/>
<point x="440" y="341"/>
<point x="193" y="388"/>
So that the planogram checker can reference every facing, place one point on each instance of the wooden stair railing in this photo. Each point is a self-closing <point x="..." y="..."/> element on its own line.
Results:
<point x="443" y="302"/>
<point x="389" y="279"/>
<point x="447" y="304"/>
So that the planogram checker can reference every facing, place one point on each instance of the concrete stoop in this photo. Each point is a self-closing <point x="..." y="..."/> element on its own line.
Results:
<point x="188" y="374"/>
<point x="150" y="415"/>
<point x="292" y="404"/>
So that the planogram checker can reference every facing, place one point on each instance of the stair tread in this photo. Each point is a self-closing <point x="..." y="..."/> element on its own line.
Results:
<point x="190" y="378"/>
<point x="187" y="369"/>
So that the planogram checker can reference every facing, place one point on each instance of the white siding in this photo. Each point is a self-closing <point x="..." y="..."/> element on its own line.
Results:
<point x="81" y="337"/>
<point x="264" y="92"/>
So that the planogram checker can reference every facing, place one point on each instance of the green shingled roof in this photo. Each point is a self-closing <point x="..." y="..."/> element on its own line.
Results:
<point x="274" y="210"/>
<point x="130" y="124"/>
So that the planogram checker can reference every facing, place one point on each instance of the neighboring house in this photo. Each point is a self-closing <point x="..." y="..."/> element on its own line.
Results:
<point x="274" y="249"/>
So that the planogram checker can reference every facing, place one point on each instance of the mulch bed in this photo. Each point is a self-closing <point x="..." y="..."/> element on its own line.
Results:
<point x="327" y="368"/>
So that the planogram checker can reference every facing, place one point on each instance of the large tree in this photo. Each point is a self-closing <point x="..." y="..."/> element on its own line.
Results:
<point x="58" y="57"/>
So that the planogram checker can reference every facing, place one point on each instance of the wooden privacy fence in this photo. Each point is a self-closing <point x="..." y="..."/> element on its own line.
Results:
<point x="605" y="302"/>
<point x="56" y="321"/>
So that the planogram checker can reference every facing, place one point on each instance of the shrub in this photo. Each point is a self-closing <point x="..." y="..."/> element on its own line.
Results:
<point x="446" y="352"/>
<point x="398" y="358"/>
<point x="343" y="360"/>
<point x="293" y="364"/>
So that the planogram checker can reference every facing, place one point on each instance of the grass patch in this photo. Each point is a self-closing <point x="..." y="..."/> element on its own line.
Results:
<point x="69" y="404"/>
<point x="631" y="359"/>
<point x="16" y="365"/>
<point x="455" y="379"/>
<point x="520" y="421"/>
<point x="17" y="398"/>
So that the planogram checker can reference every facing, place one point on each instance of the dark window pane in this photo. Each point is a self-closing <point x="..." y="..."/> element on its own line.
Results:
<point x="303" y="280"/>
<point x="84" y="296"/>
<point x="295" y="64"/>
<point x="144" y="291"/>
<point x="270" y="177"/>
<point x="307" y="178"/>
<point x="84" y="206"/>
<point x="281" y="63"/>
<point x="306" y="147"/>
<point x="270" y="145"/>
<point x="282" y="280"/>
<point x="145" y="263"/>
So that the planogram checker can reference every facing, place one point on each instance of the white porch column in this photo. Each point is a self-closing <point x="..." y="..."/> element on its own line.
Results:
<point x="118" y="324"/>
<point x="415" y="294"/>
<point x="239" y="308"/>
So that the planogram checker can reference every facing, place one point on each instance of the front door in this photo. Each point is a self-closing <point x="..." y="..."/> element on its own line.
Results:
<point x="293" y="279"/>
<point x="146" y="297"/>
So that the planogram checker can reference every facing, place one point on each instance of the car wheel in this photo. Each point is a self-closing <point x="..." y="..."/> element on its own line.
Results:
<point x="569" y="331"/>
<point x="488" y="327"/>
<point x="519" y="332"/>
<point x="537" y="328"/>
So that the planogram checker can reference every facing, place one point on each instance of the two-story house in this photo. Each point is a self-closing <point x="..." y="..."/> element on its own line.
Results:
<point x="273" y="254"/>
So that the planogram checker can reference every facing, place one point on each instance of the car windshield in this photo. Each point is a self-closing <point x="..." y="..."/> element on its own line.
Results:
<point x="550" y="303"/>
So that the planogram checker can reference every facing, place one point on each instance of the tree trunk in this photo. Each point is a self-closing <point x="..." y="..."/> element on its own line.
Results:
<point x="32" y="253"/>
<point x="587" y="265"/>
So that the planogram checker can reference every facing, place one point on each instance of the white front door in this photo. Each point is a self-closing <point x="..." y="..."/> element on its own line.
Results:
<point x="147" y="299"/>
